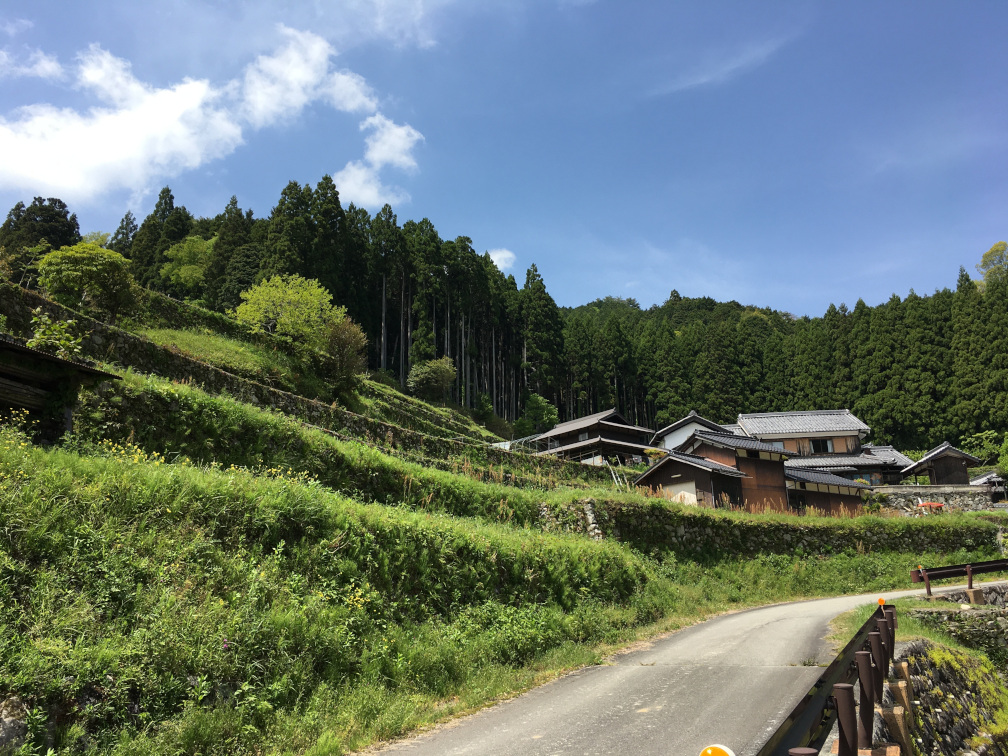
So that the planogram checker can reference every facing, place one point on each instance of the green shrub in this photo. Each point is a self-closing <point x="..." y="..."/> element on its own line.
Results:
<point x="430" y="379"/>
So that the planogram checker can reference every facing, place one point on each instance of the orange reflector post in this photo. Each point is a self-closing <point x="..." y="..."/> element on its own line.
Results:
<point x="717" y="750"/>
<point x="881" y="602"/>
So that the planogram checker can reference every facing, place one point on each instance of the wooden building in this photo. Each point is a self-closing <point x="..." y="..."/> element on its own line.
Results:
<point x="672" y="436"/>
<point x="762" y="464"/>
<point x="595" y="438"/>
<point x="43" y="384"/>
<point x="944" y="465"/>
<point x="824" y="491"/>
<point x="689" y="479"/>
<point x="811" y="433"/>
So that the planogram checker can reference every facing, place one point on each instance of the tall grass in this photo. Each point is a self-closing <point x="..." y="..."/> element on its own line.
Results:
<point x="175" y="608"/>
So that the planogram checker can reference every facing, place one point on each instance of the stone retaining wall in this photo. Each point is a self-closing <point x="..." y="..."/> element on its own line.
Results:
<point x="955" y="498"/>
<point x="954" y="698"/>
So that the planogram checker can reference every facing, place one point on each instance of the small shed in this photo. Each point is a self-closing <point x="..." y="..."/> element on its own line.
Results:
<point x="944" y="465"/>
<point x="694" y="480"/>
<point x="43" y="384"/>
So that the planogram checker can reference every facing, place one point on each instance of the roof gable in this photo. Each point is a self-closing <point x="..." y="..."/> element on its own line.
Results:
<point x="945" y="449"/>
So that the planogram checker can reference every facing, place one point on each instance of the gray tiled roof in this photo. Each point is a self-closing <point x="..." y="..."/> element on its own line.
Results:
<point x="732" y="441"/>
<point x="734" y="428"/>
<point x="693" y="461"/>
<point x="890" y="454"/>
<point x="991" y="478"/>
<point x="597" y="441"/>
<point x="822" y="478"/>
<point x="838" y="462"/>
<point x="815" y="421"/>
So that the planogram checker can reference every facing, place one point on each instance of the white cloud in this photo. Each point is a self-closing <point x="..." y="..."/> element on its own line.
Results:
<point x="15" y="27"/>
<point x="278" y="86"/>
<point x="720" y="67"/>
<point x="137" y="134"/>
<point x="390" y="143"/>
<point x="39" y="65"/>
<point x="360" y="183"/>
<point x="504" y="259"/>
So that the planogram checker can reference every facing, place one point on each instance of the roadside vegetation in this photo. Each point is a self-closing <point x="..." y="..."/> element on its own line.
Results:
<point x="156" y="607"/>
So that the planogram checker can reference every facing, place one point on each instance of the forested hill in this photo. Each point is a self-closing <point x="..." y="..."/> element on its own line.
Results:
<point x="918" y="370"/>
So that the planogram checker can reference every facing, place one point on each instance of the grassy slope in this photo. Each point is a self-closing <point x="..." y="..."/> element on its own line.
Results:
<point x="166" y="608"/>
<point x="197" y="608"/>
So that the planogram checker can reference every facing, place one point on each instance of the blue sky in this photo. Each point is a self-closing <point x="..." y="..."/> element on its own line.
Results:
<point x="781" y="154"/>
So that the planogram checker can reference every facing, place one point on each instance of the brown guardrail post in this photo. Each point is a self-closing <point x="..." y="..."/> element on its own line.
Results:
<point x="890" y="615"/>
<point x="843" y="694"/>
<point x="927" y="580"/>
<point x="878" y="656"/>
<point x="866" y="712"/>
<point x="969" y="576"/>
<point x="883" y="628"/>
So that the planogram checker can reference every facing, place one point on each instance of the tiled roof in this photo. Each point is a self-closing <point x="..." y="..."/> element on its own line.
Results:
<point x="838" y="462"/>
<point x="944" y="450"/>
<point x="890" y="454"/>
<point x="734" y="428"/>
<point x="732" y="441"/>
<point x="822" y="478"/>
<point x="693" y="461"/>
<point x="797" y="423"/>
<point x="991" y="478"/>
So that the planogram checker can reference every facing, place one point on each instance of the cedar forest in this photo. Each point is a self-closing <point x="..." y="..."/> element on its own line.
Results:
<point x="918" y="370"/>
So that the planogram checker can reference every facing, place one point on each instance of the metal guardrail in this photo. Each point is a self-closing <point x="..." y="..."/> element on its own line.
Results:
<point x="926" y="575"/>
<point x="809" y="723"/>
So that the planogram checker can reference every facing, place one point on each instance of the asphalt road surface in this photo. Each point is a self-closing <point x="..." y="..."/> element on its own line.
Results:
<point x="730" y="680"/>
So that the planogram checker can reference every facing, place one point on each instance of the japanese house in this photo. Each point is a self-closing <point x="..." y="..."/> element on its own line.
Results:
<point x="761" y="463"/>
<point x="595" y="438"/>
<point x="673" y="435"/>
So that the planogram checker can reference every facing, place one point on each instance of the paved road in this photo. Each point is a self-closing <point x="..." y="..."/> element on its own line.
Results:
<point x="730" y="680"/>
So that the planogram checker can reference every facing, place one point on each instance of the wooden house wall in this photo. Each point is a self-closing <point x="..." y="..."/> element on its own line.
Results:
<point x="950" y="471"/>
<point x="765" y="485"/>
<point x="716" y="454"/>
<point x="832" y="503"/>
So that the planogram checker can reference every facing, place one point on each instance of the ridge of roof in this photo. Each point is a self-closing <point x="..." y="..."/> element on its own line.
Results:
<point x="692" y="417"/>
<point x="940" y="450"/>
<point x="802" y="421"/>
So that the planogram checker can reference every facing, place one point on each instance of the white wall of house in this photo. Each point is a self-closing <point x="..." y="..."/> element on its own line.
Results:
<point x="675" y="438"/>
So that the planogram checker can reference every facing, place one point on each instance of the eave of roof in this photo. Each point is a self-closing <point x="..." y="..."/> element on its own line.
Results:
<point x="838" y="461"/>
<point x="822" y="478"/>
<point x="16" y="345"/>
<point x="581" y="422"/>
<point x="693" y="461"/>
<point x="731" y="441"/>
<point x="945" y="449"/>
<point x="596" y="441"/>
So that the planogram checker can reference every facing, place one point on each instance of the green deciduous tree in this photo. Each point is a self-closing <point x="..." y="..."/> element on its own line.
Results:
<point x="89" y="276"/>
<point x="430" y="379"/>
<point x="292" y="306"/>
<point x="994" y="263"/>
<point x="186" y="264"/>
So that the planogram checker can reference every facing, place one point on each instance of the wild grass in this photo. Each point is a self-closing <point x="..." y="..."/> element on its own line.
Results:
<point x="176" y="608"/>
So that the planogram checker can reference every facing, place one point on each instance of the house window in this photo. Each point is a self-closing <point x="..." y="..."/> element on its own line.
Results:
<point x="777" y="444"/>
<point x="583" y="436"/>
<point x="822" y="445"/>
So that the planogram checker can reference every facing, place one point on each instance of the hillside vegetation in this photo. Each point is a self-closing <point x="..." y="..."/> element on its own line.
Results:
<point x="215" y="563"/>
